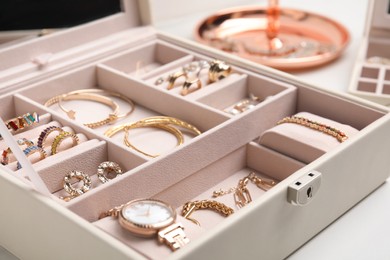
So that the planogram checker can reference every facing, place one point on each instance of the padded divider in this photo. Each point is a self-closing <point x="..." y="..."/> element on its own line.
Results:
<point x="139" y="62"/>
<point x="302" y="142"/>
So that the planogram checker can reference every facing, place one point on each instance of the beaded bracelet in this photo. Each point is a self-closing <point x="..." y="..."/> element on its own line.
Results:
<point x="339" y="135"/>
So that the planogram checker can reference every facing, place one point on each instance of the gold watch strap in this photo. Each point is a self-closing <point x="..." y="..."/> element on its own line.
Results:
<point x="173" y="236"/>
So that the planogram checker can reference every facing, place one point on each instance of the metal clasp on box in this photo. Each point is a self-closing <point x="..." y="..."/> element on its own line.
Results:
<point x="302" y="191"/>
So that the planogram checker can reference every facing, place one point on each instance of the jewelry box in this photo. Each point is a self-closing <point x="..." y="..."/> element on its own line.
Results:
<point x="120" y="55"/>
<point x="371" y="75"/>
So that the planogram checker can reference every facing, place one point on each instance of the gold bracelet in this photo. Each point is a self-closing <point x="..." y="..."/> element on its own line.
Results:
<point x="86" y="96"/>
<point x="177" y="133"/>
<point x="165" y="120"/>
<point x="339" y="135"/>
<point x="191" y="206"/>
<point x="109" y="93"/>
<point x="241" y="193"/>
<point x="61" y="137"/>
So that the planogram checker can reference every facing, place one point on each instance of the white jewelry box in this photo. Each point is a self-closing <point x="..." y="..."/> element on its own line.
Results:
<point x="371" y="75"/>
<point x="47" y="227"/>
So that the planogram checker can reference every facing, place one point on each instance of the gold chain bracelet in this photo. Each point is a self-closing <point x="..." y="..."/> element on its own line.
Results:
<point x="241" y="193"/>
<point x="191" y="206"/>
<point x="339" y="135"/>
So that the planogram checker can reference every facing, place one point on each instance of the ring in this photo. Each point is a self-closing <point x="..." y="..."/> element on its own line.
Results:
<point x="177" y="133"/>
<point x="187" y="85"/>
<point x="218" y="70"/>
<point x="244" y="105"/>
<point x="79" y="175"/>
<point x="107" y="168"/>
<point x="173" y="77"/>
<point x="61" y="137"/>
<point x="31" y="150"/>
<point x="45" y="133"/>
<point x="23" y="121"/>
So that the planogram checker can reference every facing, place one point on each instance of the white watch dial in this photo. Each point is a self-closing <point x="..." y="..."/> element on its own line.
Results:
<point x="147" y="212"/>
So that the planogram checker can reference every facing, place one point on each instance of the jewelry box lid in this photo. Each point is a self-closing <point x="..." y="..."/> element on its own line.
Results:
<point x="27" y="61"/>
<point x="379" y="17"/>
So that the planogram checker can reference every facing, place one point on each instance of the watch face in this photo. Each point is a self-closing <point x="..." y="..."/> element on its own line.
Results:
<point x="145" y="217"/>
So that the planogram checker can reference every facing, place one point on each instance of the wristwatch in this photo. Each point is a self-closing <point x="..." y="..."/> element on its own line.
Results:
<point x="150" y="217"/>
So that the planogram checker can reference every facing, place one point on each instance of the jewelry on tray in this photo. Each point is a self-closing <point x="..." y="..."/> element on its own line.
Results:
<point x="148" y="218"/>
<point x="72" y="191"/>
<point x="241" y="193"/>
<point x="22" y="122"/>
<point x="219" y="70"/>
<point x="61" y="137"/>
<point x="98" y="95"/>
<point x="162" y="122"/>
<point x="244" y="105"/>
<point x="31" y="150"/>
<point x="106" y="169"/>
<point x="8" y="151"/>
<point x="165" y="120"/>
<point x="187" y="86"/>
<point x="176" y="132"/>
<point x="339" y="135"/>
<point x="45" y="133"/>
<point x="191" y="206"/>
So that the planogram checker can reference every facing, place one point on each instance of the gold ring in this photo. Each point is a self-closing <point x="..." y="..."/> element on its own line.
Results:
<point x="79" y="175"/>
<point x="177" y="133"/>
<point x="61" y="137"/>
<point x="165" y="120"/>
<point x="45" y="133"/>
<point x="218" y="70"/>
<point x="173" y="77"/>
<point x="105" y="169"/>
<point x="31" y="149"/>
<point x="187" y="85"/>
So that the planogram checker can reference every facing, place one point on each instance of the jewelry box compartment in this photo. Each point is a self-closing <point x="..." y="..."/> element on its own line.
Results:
<point x="225" y="150"/>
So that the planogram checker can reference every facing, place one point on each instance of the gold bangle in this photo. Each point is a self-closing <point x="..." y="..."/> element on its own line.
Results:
<point x="339" y="135"/>
<point x="86" y="96"/>
<point x="155" y="120"/>
<point x="72" y="191"/>
<point x="109" y="93"/>
<point x="190" y="207"/>
<point x="177" y="133"/>
<point x="45" y="133"/>
<point x="61" y="137"/>
<point x="106" y="168"/>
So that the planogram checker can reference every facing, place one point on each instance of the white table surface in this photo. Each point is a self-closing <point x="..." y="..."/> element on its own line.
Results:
<point x="364" y="231"/>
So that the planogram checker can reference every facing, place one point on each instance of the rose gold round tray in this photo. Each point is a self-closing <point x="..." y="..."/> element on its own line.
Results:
<point x="307" y="39"/>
